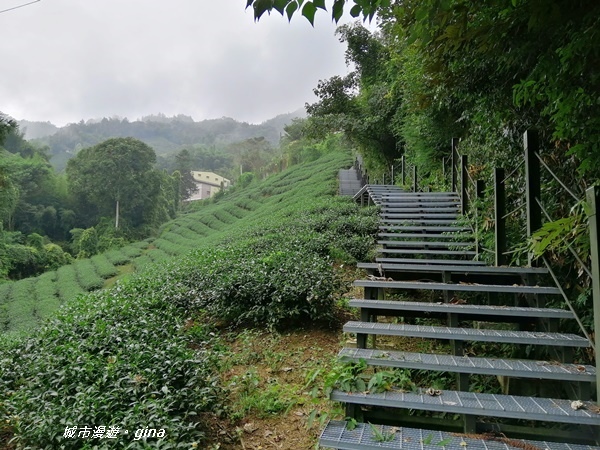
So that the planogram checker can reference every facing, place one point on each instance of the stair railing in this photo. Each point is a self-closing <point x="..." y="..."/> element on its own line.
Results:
<point x="471" y="191"/>
<point x="535" y="214"/>
<point x="362" y="171"/>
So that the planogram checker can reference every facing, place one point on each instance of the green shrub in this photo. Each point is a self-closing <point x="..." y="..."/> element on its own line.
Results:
<point x="67" y="284"/>
<point x="113" y="358"/>
<point x="103" y="266"/>
<point x="87" y="277"/>
<point x="132" y="251"/>
<point x="157" y="254"/>
<point x="117" y="257"/>
<point x="141" y="262"/>
<point x="20" y="307"/>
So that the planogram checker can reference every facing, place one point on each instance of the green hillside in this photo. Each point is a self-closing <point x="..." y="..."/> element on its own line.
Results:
<point x="23" y="304"/>
<point x="141" y="354"/>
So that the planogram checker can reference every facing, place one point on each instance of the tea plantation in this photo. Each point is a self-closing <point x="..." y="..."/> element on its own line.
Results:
<point x="142" y="354"/>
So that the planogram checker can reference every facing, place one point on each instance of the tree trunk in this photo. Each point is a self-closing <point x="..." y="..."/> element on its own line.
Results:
<point x="117" y="216"/>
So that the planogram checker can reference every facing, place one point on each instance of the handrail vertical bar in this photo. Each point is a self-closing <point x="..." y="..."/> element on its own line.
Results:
<point x="593" y="199"/>
<point x="403" y="170"/>
<point x="415" y="183"/>
<point x="533" y="181"/>
<point x="500" y="219"/>
<point x="464" y="197"/>
<point x="479" y="193"/>
<point x="444" y="171"/>
<point x="454" y="144"/>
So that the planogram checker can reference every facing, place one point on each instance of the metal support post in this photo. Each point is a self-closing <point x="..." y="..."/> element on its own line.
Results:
<point x="500" y="220"/>
<point x="415" y="183"/>
<point x="454" y="159"/>
<point x="533" y="189"/>
<point x="593" y="199"/>
<point x="464" y="196"/>
<point x="403" y="170"/>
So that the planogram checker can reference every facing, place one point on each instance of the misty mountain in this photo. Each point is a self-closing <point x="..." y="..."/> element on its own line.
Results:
<point x="165" y="134"/>
<point x="35" y="130"/>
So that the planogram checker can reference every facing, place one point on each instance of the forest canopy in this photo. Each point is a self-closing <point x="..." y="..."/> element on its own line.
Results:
<point x="482" y="71"/>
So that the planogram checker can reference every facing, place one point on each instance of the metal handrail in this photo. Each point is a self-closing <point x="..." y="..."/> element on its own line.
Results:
<point x="573" y="252"/>
<point x="556" y="177"/>
<point x="518" y="208"/>
<point x="514" y="171"/>
<point x="568" y="302"/>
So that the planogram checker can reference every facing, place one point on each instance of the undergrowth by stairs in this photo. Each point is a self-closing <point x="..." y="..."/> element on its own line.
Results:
<point x="514" y="378"/>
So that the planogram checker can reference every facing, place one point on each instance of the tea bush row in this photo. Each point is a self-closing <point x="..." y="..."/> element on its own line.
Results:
<point x="157" y="255"/>
<point x="141" y="262"/>
<point x="170" y="247"/>
<point x="132" y="251"/>
<point x="103" y="266"/>
<point x="20" y="306"/>
<point x="117" y="357"/>
<point x="87" y="277"/>
<point x="117" y="257"/>
<point x="67" y="283"/>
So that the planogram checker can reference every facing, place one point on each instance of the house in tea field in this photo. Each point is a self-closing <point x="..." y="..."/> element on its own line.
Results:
<point x="208" y="184"/>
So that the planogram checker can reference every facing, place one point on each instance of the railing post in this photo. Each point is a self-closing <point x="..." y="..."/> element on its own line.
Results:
<point x="454" y="144"/>
<point x="415" y="184"/>
<point x="464" y="197"/>
<point x="444" y="170"/>
<point x="392" y="171"/>
<point x="403" y="170"/>
<point x="479" y="188"/>
<point x="533" y="189"/>
<point x="500" y="212"/>
<point x="593" y="199"/>
<point x="479" y="191"/>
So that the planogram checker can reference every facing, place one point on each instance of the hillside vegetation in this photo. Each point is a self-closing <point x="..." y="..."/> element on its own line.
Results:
<point x="142" y="354"/>
<point x="164" y="134"/>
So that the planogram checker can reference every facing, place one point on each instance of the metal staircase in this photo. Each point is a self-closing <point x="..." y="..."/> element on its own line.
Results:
<point x="425" y="284"/>
<point x="349" y="181"/>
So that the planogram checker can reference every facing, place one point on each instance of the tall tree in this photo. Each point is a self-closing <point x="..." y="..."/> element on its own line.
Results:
<point x="114" y="175"/>
<point x="6" y="126"/>
<point x="187" y="185"/>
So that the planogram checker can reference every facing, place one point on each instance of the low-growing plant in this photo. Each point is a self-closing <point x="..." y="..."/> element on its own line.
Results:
<point x="117" y="257"/>
<point x="103" y="266"/>
<point x="87" y="277"/>
<point x="119" y="358"/>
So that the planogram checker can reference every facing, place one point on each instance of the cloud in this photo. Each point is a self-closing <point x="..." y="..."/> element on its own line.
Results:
<point x="66" y="60"/>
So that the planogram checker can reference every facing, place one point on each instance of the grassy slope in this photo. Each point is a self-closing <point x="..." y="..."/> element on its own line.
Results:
<point x="24" y="304"/>
<point x="139" y="355"/>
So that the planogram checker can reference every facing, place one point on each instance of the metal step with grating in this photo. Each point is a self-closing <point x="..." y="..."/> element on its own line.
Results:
<point x="441" y="207"/>
<point x="341" y="435"/>
<point x="425" y="235"/>
<point x="414" y="222"/>
<point x="462" y="309"/>
<point x="403" y="195"/>
<point x="425" y="244"/>
<point x="418" y="215"/>
<point x="466" y="334"/>
<point x="458" y="287"/>
<point x="453" y="268"/>
<point x="421" y="251"/>
<point x="425" y="228"/>
<point x="521" y="368"/>
<point x="475" y="404"/>
<point x="430" y="261"/>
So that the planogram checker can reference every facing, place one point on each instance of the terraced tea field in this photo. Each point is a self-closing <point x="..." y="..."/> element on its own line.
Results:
<point x="24" y="304"/>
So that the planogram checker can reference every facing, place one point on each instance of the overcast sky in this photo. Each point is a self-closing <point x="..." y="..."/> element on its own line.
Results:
<point x="67" y="60"/>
